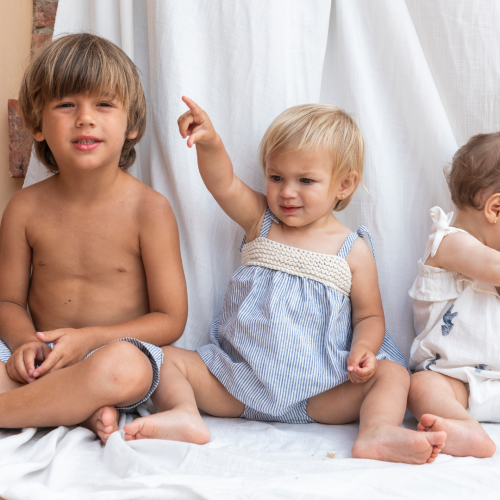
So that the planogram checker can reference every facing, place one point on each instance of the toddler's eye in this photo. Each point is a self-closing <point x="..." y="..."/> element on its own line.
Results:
<point x="306" y="181"/>
<point x="65" y="105"/>
<point x="276" y="178"/>
<point x="105" y="104"/>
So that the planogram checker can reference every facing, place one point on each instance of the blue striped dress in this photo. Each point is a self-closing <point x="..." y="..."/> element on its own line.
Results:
<point x="284" y="332"/>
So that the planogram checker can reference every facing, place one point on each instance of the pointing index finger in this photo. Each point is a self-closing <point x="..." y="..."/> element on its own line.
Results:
<point x="195" y="109"/>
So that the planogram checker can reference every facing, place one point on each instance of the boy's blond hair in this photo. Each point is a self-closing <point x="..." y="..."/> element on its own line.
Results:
<point x="82" y="64"/>
<point x="317" y="126"/>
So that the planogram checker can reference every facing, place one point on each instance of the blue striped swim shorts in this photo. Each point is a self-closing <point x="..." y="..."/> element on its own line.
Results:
<point x="153" y="353"/>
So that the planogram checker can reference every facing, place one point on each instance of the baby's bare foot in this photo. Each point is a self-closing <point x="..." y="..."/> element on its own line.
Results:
<point x="466" y="438"/>
<point x="395" y="444"/>
<point x="175" y="425"/>
<point x="103" y="422"/>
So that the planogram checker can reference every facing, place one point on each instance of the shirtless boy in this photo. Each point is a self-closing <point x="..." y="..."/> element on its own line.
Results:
<point x="92" y="251"/>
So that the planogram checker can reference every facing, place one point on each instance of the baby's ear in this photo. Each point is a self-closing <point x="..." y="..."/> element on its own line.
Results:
<point x="492" y="208"/>
<point x="37" y="135"/>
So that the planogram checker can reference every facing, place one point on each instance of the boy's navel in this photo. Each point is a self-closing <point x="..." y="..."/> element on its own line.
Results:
<point x="121" y="269"/>
<point x="41" y="263"/>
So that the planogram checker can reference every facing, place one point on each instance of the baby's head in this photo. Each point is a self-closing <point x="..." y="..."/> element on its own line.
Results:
<point x="474" y="177"/>
<point x="312" y="157"/>
<point x="92" y="74"/>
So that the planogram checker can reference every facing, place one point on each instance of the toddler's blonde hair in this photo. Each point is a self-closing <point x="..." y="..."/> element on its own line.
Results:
<point x="317" y="126"/>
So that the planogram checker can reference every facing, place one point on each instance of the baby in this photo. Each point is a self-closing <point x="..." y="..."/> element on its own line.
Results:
<point x="92" y="251"/>
<point x="456" y="355"/>
<point x="301" y="336"/>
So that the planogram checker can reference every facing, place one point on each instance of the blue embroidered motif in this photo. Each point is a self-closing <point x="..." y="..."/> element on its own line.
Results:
<point x="479" y="368"/>
<point x="433" y="362"/>
<point x="447" y="318"/>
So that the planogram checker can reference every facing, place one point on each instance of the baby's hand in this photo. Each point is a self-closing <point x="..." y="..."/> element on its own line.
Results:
<point x="21" y="365"/>
<point x="70" y="347"/>
<point x="196" y="125"/>
<point x="361" y="364"/>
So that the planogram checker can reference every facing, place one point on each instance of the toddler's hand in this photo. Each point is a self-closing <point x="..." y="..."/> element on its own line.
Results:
<point x="196" y="125"/>
<point x="70" y="347"/>
<point x="361" y="364"/>
<point x="21" y="365"/>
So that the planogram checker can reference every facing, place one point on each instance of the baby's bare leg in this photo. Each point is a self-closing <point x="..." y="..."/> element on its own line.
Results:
<point x="439" y="403"/>
<point x="6" y="383"/>
<point x="185" y="385"/>
<point x="380" y="405"/>
<point x="118" y="374"/>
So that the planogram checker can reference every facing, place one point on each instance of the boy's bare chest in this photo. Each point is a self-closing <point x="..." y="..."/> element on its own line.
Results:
<point x="85" y="246"/>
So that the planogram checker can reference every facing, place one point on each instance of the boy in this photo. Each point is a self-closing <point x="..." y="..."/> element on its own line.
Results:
<point x="92" y="251"/>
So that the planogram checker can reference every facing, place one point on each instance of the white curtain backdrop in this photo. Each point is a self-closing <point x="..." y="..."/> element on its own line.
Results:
<point x="419" y="76"/>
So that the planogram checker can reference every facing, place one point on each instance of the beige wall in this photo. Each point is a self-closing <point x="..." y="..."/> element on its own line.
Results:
<point x="15" y="46"/>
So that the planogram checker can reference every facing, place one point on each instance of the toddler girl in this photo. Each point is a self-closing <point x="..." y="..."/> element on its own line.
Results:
<point x="456" y="355"/>
<point x="301" y="335"/>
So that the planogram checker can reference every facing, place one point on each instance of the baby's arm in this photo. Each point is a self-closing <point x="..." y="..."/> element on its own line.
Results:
<point x="16" y="328"/>
<point x="465" y="254"/>
<point x="244" y="205"/>
<point x="161" y="257"/>
<point x="367" y="314"/>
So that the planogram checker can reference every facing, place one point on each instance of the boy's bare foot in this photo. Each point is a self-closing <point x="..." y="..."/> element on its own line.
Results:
<point x="175" y="425"/>
<point x="103" y="422"/>
<point x="466" y="438"/>
<point x="395" y="444"/>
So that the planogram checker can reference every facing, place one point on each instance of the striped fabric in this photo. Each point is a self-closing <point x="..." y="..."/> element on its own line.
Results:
<point x="281" y="339"/>
<point x="154" y="354"/>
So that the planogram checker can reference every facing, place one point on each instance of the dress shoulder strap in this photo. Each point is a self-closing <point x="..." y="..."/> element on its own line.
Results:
<point x="269" y="218"/>
<point x="361" y="232"/>
<point x="440" y="228"/>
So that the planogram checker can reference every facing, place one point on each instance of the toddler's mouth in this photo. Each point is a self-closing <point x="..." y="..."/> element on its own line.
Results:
<point x="289" y="209"/>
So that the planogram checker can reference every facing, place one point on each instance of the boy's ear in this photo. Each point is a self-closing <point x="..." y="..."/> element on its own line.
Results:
<point x="492" y="208"/>
<point x="38" y="136"/>
<point x="132" y="135"/>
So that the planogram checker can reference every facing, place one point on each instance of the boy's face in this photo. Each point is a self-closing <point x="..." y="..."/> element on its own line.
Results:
<point x="84" y="131"/>
<point x="299" y="186"/>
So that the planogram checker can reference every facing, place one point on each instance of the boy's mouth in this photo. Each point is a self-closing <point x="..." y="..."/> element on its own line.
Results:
<point x="86" y="143"/>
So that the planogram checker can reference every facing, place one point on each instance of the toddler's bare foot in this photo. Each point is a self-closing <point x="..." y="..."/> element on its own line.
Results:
<point x="466" y="438"/>
<point x="175" y="425"/>
<point x="103" y="422"/>
<point x="395" y="444"/>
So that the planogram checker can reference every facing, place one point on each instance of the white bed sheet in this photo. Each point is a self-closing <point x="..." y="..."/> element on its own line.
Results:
<point x="244" y="459"/>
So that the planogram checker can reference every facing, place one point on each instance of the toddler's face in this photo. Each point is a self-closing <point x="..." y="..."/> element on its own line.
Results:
<point x="84" y="132"/>
<point x="299" y="186"/>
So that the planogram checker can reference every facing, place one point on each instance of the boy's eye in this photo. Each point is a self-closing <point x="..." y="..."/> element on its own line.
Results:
<point x="276" y="178"/>
<point x="306" y="181"/>
<point x="65" y="105"/>
<point x="106" y="104"/>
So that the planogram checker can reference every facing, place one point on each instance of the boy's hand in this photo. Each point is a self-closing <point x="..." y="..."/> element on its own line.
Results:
<point x="361" y="364"/>
<point x="196" y="125"/>
<point x="21" y="365"/>
<point x="70" y="347"/>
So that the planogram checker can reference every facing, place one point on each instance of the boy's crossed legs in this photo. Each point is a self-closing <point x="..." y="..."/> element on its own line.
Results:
<point x="72" y="395"/>
<point x="186" y="384"/>
<point x="433" y="394"/>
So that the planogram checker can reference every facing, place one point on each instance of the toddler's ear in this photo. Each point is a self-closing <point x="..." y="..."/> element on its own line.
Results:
<point x="133" y="134"/>
<point x="492" y="208"/>
<point x="38" y="136"/>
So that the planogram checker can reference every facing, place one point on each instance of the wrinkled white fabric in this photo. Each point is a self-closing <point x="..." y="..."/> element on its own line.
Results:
<point x="419" y="76"/>
<point x="456" y="320"/>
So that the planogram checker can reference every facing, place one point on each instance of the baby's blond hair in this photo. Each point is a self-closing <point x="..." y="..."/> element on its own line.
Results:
<point x="317" y="126"/>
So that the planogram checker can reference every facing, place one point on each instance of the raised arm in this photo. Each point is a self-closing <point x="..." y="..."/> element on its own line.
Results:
<point x="465" y="254"/>
<point x="244" y="205"/>
<point x="367" y="314"/>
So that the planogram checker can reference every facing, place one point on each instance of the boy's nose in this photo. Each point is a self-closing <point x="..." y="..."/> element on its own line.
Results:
<point x="85" y="117"/>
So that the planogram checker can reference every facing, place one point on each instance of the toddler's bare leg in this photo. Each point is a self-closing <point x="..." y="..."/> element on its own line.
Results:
<point x="118" y="374"/>
<point x="439" y="403"/>
<point x="6" y="383"/>
<point x="380" y="405"/>
<point x="185" y="385"/>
